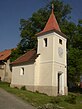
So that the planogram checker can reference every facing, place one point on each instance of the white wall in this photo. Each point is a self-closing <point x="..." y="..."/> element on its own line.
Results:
<point x="45" y="52"/>
<point x="50" y="61"/>
<point x="46" y="59"/>
<point x="56" y="44"/>
<point x="27" y="78"/>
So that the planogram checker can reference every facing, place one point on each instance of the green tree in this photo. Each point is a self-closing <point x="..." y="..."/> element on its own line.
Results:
<point x="38" y="20"/>
<point x="36" y="23"/>
<point x="74" y="65"/>
<point x="15" y="53"/>
<point x="78" y="37"/>
<point x="75" y="53"/>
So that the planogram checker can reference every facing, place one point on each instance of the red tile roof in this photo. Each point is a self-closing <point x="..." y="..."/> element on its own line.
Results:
<point x="51" y="24"/>
<point x="29" y="56"/>
<point x="5" y="54"/>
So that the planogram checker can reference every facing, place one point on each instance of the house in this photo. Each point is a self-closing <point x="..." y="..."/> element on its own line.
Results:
<point x="45" y="70"/>
<point x="5" y="72"/>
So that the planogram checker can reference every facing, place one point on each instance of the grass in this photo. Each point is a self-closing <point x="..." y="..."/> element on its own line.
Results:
<point x="37" y="99"/>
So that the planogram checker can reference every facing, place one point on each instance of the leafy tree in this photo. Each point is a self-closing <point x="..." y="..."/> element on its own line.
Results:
<point x="36" y="23"/>
<point x="38" y="20"/>
<point x="70" y="29"/>
<point x="75" y="53"/>
<point x="16" y="53"/>
<point x="78" y="37"/>
<point x="74" y="65"/>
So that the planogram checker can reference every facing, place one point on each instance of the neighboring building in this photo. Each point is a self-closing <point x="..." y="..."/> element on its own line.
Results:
<point x="5" y="72"/>
<point x="45" y="70"/>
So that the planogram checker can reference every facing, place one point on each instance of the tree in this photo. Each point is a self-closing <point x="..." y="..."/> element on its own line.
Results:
<point x="36" y="23"/>
<point x="38" y="20"/>
<point x="15" y="53"/>
<point x="74" y="65"/>
<point x="78" y="37"/>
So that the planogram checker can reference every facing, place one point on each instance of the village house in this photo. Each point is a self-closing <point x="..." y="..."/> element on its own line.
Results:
<point x="5" y="72"/>
<point x="45" y="70"/>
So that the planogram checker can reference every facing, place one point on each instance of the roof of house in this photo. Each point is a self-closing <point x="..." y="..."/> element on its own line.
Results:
<point x="5" y="54"/>
<point x="27" y="57"/>
<point x="51" y="25"/>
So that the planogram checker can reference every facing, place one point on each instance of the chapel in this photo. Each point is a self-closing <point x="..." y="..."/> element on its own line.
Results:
<point x="45" y="69"/>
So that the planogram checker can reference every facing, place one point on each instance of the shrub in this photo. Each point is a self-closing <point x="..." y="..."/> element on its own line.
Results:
<point x="37" y="91"/>
<point x="23" y="88"/>
<point x="56" y="100"/>
<point x="50" y="106"/>
<point x="16" y="87"/>
<point x="71" y="98"/>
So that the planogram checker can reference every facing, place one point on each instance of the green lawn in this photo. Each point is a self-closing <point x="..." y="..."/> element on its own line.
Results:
<point x="37" y="99"/>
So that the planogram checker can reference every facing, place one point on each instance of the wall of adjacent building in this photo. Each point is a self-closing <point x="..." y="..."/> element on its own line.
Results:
<point x="5" y="72"/>
<point x="2" y="72"/>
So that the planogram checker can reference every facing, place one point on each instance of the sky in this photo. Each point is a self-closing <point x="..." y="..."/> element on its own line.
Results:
<point x="11" y="11"/>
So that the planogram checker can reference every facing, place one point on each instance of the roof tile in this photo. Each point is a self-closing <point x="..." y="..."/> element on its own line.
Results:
<point x="51" y="24"/>
<point x="30" y="55"/>
<point x="5" y="54"/>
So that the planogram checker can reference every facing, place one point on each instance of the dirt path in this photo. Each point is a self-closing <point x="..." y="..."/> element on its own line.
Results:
<point x="9" y="101"/>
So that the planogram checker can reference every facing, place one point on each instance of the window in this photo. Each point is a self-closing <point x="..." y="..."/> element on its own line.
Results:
<point x="45" y="42"/>
<point x="22" y="71"/>
<point x="60" y="41"/>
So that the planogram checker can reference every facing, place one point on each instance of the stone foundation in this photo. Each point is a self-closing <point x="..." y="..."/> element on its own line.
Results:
<point x="15" y="86"/>
<point x="49" y="90"/>
<point x="30" y="88"/>
<point x="66" y="90"/>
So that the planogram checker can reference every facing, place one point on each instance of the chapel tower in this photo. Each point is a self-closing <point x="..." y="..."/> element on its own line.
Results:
<point x="52" y="72"/>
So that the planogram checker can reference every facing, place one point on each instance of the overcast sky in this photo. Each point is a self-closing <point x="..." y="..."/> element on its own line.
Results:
<point x="11" y="11"/>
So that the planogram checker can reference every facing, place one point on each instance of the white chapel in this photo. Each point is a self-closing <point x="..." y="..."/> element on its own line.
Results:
<point x="44" y="71"/>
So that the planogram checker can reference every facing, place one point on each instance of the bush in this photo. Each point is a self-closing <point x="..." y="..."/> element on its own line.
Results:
<point x="23" y="88"/>
<point x="37" y="91"/>
<point x="50" y="106"/>
<point x="71" y="98"/>
<point x="56" y="100"/>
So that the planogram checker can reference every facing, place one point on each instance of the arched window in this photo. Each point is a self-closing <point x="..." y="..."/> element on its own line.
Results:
<point x="22" y="71"/>
<point x="45" y="42"/>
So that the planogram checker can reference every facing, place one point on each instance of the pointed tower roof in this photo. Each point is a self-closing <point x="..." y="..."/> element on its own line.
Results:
<point x="51" y="25"/>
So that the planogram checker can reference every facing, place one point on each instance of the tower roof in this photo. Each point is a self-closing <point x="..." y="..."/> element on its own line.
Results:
<point x="51" y="24"/>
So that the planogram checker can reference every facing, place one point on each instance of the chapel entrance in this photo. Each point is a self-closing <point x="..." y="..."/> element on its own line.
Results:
<point x="60" y="83"/>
